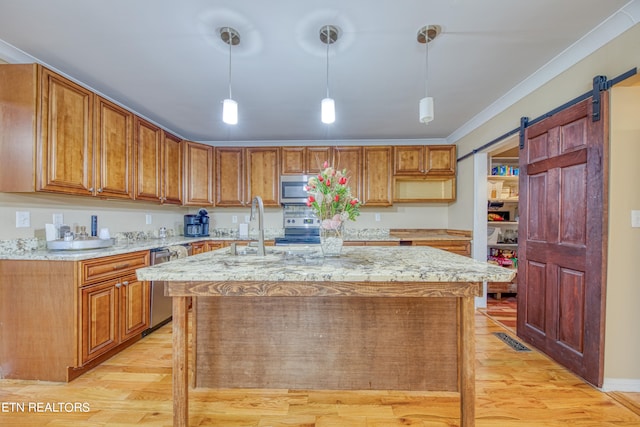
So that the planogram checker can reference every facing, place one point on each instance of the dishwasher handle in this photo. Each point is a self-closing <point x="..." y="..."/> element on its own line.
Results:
<point x="158" y="256"/>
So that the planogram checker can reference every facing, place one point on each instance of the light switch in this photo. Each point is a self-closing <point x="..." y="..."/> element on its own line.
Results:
<point x="635" y="219"/>
<point x="234" y="219"/>
<point x="147" y="219"/>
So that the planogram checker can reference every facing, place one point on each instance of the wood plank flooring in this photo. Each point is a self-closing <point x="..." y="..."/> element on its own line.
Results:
<point x="134" y="389"/>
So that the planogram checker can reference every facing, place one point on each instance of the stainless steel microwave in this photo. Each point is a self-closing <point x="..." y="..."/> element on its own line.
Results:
<point x="293" y="189"/>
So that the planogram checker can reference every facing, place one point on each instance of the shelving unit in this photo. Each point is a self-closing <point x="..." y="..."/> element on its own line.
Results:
<point x="502" y="219"/>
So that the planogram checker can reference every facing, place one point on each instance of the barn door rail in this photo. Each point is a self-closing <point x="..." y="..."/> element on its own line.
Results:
<point x="600" y="84"/>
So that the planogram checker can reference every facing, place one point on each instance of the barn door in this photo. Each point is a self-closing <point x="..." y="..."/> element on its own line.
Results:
<point x="562" y="253"/>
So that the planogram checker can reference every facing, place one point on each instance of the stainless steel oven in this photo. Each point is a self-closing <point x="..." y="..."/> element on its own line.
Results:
<point x="293" y="189"/>
<point x="301" y="226"/>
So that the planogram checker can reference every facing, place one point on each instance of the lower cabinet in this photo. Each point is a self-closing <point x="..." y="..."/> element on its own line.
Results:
<point x="460" y="247"/>
<point x="112" y="312"/>
<point x="114" y="303"/>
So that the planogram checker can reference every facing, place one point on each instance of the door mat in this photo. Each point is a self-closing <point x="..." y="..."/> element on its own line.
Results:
<point x="513" y="343"/>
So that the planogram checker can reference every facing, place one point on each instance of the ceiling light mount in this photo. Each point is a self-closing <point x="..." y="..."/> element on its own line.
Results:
<point x="230" y="36"/>
<point x="428" y="33"/>
<point x="329" y="34"/>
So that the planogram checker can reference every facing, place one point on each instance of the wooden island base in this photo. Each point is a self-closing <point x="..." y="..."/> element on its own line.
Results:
<point x="348" y="340"/>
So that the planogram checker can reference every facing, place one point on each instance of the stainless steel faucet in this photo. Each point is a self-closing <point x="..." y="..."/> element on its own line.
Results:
<point x="258" y="200"/>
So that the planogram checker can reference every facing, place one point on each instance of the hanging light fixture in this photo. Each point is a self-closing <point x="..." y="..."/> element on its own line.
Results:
<point x="426" y="35"/>
<point x="328" y="35"/>
<point x="229" y="106"/>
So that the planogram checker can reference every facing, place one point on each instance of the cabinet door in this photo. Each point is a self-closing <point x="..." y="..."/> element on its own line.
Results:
<point x="199" y="174"/>
<point x="441" y="159"/>
<point x="293" y="161"/>
<point x="197" y="248"/>
<point x="350" y="158"/>
<point x="171" y="169"/>
<point x="212" y="246"/>
<point x="377" y="176"/>
<point x="408" y="160"/>
<point x="315" y="158"/>
<point x="67" y="136"/>
<point x="114" y="141"/>
<point x="148" y="143"/>
<point x="263" y="175"/>
<point x="229" y="173"/>
<point x="100" y="317"/>
<point x="134" y="306"/>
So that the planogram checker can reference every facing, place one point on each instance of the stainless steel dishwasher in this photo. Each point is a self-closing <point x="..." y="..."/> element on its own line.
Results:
<point x="160" y="304"/>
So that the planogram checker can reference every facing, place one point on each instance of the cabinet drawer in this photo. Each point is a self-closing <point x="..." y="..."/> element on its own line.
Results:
<point x="105" y="268"/>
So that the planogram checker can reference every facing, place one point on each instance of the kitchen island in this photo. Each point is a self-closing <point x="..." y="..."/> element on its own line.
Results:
<point x="375" y="318"/>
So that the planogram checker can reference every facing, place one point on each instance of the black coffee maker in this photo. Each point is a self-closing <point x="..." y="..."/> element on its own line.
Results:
<point x="197" y="225"/>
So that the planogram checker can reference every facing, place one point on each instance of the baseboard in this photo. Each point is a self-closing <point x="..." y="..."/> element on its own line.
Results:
<point x="621" y="384"/>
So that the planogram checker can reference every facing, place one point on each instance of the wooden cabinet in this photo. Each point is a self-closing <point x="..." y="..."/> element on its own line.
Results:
<point x="304" y="160"/>
<point x="114" y="308"/>
<point x="424" y="173"/>
<point x="424" y="160"/>
<point x="243" y="173"/>
<point x="67" y="135"/>
<point x="114" y="144"/>
<point x="263" y="175"/>
<point x="158" y="164"/>
<point x="72" y="141"/>
<point x="206" y="246"/>
<point x="198" y="180"/>
<point x="350" y="158"/>
<point x="376" y="187"/>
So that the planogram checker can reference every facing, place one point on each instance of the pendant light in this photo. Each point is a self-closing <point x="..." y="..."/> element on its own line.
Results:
<point x="426" y="35"/>
<point x="328" y="35"/>
<point x="229" y="106"/>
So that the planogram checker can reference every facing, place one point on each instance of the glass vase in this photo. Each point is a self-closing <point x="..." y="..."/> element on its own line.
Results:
<point x="331" y="241"/>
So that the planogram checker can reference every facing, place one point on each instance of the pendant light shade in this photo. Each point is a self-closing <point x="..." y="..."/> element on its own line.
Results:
<point x="426" y="109"/>
<point x="328" y="35"/>
<point x="328" y="110"/>
<point x="229" y="106"/>
<point x="230" y="111"/>
<point x="425" y="35"/>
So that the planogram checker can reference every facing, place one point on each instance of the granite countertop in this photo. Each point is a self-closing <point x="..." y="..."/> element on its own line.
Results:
<point x="20" y="251"/>
<point x="306" y="264"/>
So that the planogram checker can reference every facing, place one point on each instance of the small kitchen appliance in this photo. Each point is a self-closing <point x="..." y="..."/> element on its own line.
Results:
<point x="197" y="225"/>
<point x="301" y="226"/>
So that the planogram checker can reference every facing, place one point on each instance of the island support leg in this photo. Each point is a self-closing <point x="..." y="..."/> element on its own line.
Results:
<point x="467" y="362"/>
<point x="180" y="362"/>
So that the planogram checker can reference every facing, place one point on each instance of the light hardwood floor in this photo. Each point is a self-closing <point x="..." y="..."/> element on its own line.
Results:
<point x="134" y="389"/>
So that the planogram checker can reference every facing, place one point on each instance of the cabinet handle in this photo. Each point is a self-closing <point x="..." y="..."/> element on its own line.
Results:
<point x="99" y="190"/>
<point x="118" y="285"/>
<point x="90" y="189"/>
<point x="120" y="266"/>
<point x="125" y="283"/>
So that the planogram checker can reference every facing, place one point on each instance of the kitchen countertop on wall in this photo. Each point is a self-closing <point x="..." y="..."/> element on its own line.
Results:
<point x="18" y="250"/>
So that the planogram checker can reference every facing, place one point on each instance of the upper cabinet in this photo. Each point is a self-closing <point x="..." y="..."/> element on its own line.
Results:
<point x="198" y="176"/>
<point x="376" y="187"/>
<point x="66" y="144"/>
<point x="350" y="158"/>
<point x="243" y="173"/>
<point x="424" y="160"/>
<point x="304" y="160"/>
<point x="114" y="144"/>
<point x="424" y="173"/>
<point x="158" y="164"/>
<point x="47" y="143"/>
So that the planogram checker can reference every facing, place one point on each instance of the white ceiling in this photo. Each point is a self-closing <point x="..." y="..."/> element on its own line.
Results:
<point x="165" y="60"/>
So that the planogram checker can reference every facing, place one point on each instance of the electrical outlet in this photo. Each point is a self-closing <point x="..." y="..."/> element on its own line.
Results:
<point x="23" y="219"/>
<point x="147" y="218"/>
<point x="58" y="219"/>
<point x="635" y="219"/>
<point x="377" y="217"/>
<point x="234" y="219"/>
<point x="247" y="218"/>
